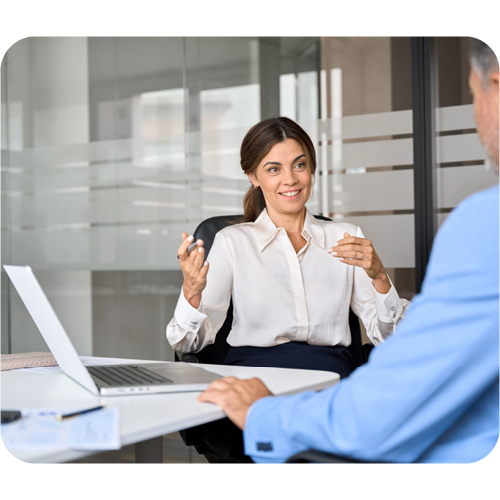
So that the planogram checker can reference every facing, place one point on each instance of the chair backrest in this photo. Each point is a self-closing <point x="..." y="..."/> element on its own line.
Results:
<point x="216" y="352"/>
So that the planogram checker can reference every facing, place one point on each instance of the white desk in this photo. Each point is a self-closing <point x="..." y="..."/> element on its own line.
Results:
<point x="143" y="418"/>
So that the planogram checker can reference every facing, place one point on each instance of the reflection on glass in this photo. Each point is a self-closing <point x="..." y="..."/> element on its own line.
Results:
<point x="366" y="145"/>
<point x="461" y="162"/>
<point x="114" y="146"/>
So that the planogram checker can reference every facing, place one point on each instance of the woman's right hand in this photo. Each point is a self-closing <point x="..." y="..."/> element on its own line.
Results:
<point x="193" y="269"/>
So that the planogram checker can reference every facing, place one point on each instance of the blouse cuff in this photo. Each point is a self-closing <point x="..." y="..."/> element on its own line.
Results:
<point x="389" y="307"/>
<point x="187" y="317"/>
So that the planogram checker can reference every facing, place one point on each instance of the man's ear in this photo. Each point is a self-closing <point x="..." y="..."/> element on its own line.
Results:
<point x="494" y="86"/>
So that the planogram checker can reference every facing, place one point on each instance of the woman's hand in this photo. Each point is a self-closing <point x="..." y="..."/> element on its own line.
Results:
<point x="360" y="252"/>
<point x="235" y="396"/>
<point x="193" y="270"/>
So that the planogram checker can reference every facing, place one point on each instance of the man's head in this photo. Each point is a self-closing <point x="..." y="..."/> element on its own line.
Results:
<point x="483" y="82"/>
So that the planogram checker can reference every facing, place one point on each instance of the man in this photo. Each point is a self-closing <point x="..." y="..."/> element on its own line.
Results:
<point x="430" y="393"/>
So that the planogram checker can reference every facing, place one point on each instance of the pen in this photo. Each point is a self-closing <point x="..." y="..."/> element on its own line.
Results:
<point x="190" y="247"/>
<point x="62" y="417"/>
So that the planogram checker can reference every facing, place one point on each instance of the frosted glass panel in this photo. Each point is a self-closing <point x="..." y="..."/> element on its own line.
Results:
<point x="393" y="237"/>
<point x="230" y="108"/>
<point x="461" y="159"/>
<point x="462" y="147"/>
<point x="377" y="124"/>
<point x="456" y="183"/>
<point x="378" y="154"/>
<point x="367" y="145"/>
<point x="389" y="190"/>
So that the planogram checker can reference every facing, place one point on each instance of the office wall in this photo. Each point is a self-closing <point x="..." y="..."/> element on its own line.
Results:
<point x="44" y="110"/>
<point x="111" y="147"/>
<point x="114" y="146"/>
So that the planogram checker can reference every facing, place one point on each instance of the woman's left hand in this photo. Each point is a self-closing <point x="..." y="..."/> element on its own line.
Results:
<point x="360" y="252"/>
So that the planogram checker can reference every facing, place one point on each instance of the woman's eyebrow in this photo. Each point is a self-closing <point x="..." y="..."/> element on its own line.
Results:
<point x="278" y="163"/>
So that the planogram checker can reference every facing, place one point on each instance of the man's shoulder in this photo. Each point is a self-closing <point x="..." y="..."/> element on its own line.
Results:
<point x="481" y="201"/>
<point x="476" y="213"/>
<point x="473" y="224"/>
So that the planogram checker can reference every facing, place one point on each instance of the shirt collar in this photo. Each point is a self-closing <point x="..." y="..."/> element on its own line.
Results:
<point x="265" y="230"/>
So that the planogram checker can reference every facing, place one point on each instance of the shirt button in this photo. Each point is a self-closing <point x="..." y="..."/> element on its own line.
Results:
<point x="393" y="308"/>
<point x="394" y="315"/>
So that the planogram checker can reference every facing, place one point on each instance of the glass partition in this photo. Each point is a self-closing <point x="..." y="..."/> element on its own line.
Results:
<point x="4" y="214"/>
<point x="366" y="146"/>
<point x="111" y="147"/>
<point x="462" y="168"/>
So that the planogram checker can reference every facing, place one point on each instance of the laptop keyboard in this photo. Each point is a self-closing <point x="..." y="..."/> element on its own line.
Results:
<point x="127" y="375"/>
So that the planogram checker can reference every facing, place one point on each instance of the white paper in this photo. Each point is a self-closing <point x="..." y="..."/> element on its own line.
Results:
<point x="98" y="430"/>
<point x="40" y="430"/>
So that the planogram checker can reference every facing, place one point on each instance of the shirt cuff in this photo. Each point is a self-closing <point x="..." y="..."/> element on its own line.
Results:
<point x="186" y="316"/>
<point x="389" y="307"/>
<point x="263" y="436"/>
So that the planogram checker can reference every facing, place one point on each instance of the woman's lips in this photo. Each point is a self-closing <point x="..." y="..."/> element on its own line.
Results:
<point x="291" y="195"/>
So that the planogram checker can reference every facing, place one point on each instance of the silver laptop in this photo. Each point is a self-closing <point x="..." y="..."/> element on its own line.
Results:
<point x="110" y="380"/>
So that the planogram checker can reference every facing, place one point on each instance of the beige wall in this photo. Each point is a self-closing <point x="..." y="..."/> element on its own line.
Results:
<point x="366" y="72"/>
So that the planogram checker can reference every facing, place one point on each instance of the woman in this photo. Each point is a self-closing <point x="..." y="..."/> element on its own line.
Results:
<point x="292" y="277"/>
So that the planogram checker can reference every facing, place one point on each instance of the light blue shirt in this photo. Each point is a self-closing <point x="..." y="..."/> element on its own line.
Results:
<point x="430" y="393"/>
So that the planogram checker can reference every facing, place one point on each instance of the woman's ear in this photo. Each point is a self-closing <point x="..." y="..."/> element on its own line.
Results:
<point x="253" y="179"/>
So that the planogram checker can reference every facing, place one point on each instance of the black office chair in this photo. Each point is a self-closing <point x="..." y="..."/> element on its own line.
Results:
<point x="216" y="352"/>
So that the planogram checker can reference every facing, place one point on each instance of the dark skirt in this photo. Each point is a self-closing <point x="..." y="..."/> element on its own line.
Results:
<point x="294" y="355"/>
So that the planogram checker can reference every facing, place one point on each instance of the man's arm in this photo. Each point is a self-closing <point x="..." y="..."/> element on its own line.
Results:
<point x="421" y="381"/>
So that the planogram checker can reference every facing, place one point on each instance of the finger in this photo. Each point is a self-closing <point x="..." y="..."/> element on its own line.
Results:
<point x="353" y="262"/>
<point x="349" y="255"/>
<point x="352" y="240"/>
<point x="211" y="396"/>
<point x="218" y="389"/>
<point x="198" y="254"/>
<point x="204" y="270"/>
<point x="186" y="241"/>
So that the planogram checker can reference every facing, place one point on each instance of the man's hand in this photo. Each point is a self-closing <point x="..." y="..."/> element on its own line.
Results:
<point x="235" y="396"/>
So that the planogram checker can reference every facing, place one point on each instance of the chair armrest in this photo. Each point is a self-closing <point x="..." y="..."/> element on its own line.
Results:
<point x="320" y="457"/>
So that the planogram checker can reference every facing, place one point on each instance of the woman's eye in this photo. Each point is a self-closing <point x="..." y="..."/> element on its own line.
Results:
<point x="273" y="170"/>
<point x="300" y="166"/>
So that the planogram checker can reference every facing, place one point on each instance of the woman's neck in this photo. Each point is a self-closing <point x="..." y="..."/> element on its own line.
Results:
<point x="292" y="223"/>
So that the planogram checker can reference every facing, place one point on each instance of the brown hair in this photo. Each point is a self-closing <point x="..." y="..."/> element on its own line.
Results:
<point x="257" y="143"/>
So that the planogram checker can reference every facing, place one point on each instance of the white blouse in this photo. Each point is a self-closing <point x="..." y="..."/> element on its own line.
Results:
<point x="280" y="295"/>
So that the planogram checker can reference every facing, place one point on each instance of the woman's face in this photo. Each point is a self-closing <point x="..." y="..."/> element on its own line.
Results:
<point x="284" y="176"/>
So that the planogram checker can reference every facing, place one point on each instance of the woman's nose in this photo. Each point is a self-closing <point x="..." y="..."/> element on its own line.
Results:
<point x="290" y="177"/>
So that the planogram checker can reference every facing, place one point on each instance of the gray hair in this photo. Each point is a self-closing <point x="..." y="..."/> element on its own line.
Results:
<point x="482" y="59"/>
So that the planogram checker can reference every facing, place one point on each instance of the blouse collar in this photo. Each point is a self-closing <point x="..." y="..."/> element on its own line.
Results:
<point x="265" y="230"/>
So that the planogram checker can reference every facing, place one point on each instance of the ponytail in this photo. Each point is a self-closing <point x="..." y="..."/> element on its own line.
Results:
<point x="253" y="204"/>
